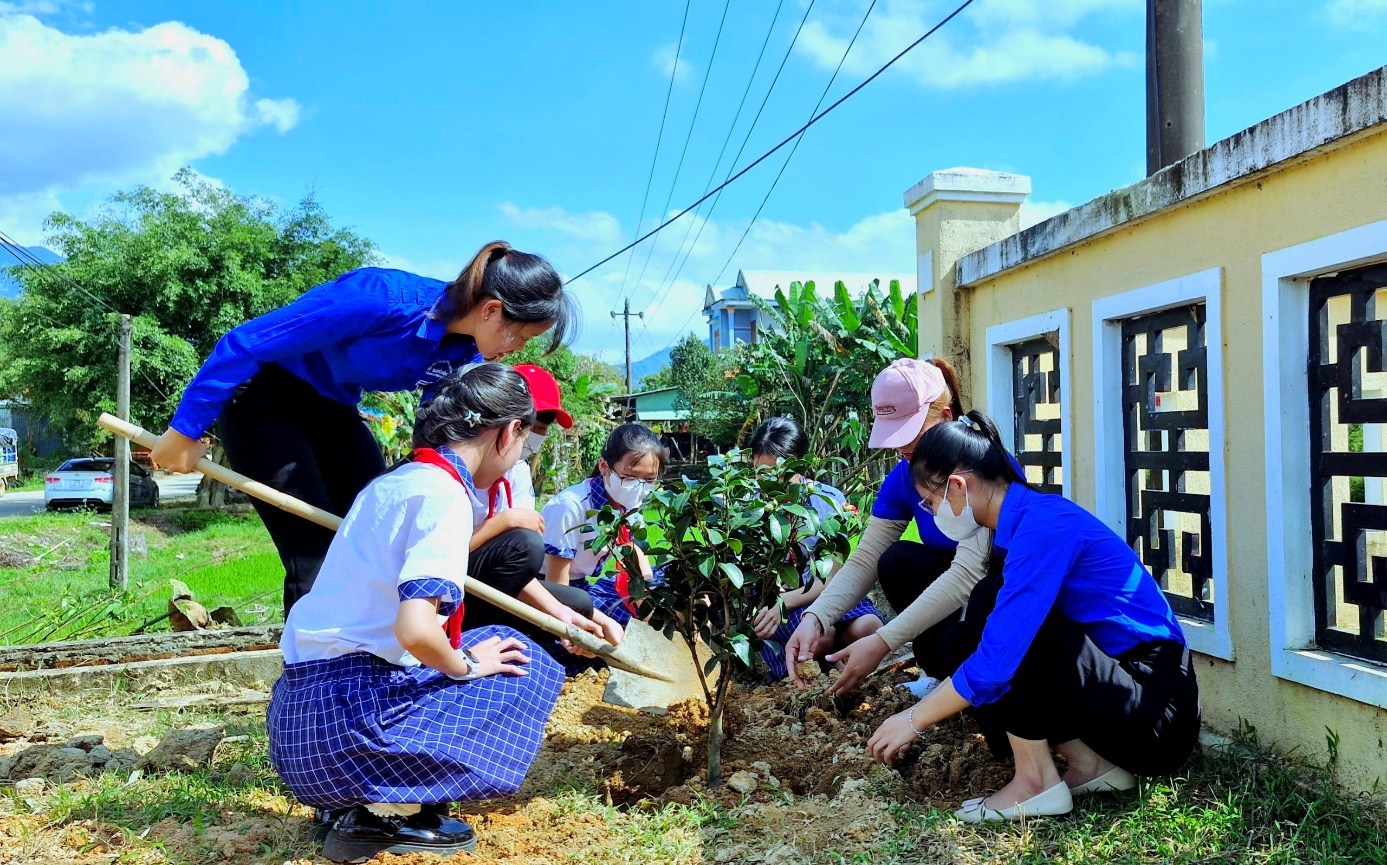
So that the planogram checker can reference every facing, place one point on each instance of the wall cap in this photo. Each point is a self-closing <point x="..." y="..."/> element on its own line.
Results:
<point x="967" y="184"/>
<point x="1332" y="119"/>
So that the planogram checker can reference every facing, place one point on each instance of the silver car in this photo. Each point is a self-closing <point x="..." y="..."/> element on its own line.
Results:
<point x="90" y="482"/>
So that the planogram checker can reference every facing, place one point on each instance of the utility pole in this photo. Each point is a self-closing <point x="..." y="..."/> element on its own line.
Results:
<point x="626" y="314"/>
<point x="1174" y="81"/>
<point x="120" y="495"/>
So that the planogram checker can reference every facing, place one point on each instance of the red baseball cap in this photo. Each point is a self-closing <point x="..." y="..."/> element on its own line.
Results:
<point x="545" y="392"/>
<point x="901" y="397"/>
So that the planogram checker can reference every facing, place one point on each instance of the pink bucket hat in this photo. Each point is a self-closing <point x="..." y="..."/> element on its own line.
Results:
<point x="901" y="397"/>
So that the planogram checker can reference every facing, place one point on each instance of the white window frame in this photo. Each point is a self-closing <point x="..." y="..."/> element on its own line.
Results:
<point x="1110" y="477"/>
<point x="1001" y="393"/>
<point x="1286" y="275"/>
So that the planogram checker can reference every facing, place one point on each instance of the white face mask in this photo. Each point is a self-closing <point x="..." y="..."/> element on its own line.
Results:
<point x="533" y="442"/>
<point x="956" y="526"/>
<point x="627" y="493"/>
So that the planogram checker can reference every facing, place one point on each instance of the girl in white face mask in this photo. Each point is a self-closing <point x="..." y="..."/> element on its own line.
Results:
<point x="627" y="473"/>
<point x="1068" y="644"/>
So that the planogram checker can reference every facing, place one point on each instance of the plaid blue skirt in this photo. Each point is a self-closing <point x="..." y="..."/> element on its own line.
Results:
<point x="773" y="650"/>
<point x="354" y="730"/>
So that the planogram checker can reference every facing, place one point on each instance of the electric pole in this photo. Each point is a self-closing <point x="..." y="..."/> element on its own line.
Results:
<point x="120" y="494"/>
<point x="626" y="314"/>
<point x="1174" y="81"/>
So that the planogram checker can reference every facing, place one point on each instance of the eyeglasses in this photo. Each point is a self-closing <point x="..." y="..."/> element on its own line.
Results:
<point x="941" y="488"/>
<point x="648" y="481"/>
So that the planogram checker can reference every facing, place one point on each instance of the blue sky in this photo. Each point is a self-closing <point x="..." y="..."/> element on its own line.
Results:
<point x="433" y="128"/>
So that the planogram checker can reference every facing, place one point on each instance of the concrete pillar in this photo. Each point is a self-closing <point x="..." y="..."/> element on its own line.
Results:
<point x="957" y="211"/>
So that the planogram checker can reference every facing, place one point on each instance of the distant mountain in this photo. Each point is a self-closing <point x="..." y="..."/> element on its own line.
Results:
<point x="651" y="365"/>
<point x="9" y="286"/>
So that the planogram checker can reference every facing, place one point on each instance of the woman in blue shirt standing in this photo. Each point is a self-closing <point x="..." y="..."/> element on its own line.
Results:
<point x="284" y="387"/>
<point x="1072" y="646"/>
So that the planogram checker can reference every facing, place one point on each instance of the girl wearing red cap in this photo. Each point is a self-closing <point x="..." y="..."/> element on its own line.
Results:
<point x="928" y="582"/>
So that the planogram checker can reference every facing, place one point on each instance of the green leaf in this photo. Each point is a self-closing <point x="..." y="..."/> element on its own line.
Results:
<point x="777" y="528"/>
<point x="897" y="301"/>
<point x="715" y="536"/>
<point x="711" y="665"/>
<point x="847" y="313"/>
<point x="734" y="573"/>
<point x="706" y="565"/>
<point x="742" y="647"/>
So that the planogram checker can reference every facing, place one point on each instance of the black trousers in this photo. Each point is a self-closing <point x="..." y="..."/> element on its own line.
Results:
<point x="904" y="571"/>
<point x="277" y="429"/>
<point x="1139" y="710"/>
<point x="508" y="562"/>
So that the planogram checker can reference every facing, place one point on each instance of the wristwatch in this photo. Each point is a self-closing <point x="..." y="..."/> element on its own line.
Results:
<point x="472" y="664"/>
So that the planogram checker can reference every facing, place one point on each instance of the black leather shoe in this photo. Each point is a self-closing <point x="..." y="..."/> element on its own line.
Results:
<point x="361" y="835"/>
<point x="323" y="818"/>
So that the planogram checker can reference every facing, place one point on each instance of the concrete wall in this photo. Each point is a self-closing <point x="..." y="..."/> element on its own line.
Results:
<point x="1334" y="192"/>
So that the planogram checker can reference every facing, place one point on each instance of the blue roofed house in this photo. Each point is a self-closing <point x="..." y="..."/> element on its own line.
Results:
<point x="732" y="314"/>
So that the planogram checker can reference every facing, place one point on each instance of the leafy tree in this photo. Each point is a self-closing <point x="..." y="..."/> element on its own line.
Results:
<point x="188" y="266"/>
<point x="659" y="379"/>
<point x="815" y="360"/>
<point x="727" y="548"/>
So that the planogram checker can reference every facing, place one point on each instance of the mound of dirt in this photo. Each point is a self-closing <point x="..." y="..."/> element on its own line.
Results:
<point x="807" y="743"/>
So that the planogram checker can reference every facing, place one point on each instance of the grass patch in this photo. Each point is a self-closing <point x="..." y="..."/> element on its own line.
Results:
<point x="56" y="584"/>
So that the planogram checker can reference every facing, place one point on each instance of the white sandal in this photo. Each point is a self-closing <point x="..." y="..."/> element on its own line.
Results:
<point x="1049" y="803"/>
<point x="1114" y="780"/>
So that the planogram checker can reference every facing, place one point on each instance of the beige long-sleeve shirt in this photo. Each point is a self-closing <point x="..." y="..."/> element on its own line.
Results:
<point x="945" y="595"/>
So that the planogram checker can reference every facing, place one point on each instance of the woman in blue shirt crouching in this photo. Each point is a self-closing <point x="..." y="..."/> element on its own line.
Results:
<point x="1070" y="645"/>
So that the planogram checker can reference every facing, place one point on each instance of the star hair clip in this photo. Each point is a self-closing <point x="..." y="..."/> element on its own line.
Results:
<point x="471" y="417"/>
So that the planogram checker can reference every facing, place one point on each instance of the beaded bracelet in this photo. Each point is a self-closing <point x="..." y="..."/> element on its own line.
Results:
<point x="910" y="719"/>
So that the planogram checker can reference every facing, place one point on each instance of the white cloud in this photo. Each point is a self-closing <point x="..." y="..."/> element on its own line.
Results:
<point x="993" y="41"/>
<point x="1355" y="12"/>
<point x="882" y="243"/>
<point x="115" y="107"/>
<point x="1036" y="212"/>
<point x="663" y="60"/>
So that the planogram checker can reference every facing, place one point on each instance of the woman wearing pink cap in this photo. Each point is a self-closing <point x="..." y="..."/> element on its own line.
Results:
<point x="927" y="582"/>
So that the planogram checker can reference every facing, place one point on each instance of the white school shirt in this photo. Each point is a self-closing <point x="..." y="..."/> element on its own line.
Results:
<point x="522" y="489"/>
<point x="411" y="524"/>
<point x="565" y="517"/>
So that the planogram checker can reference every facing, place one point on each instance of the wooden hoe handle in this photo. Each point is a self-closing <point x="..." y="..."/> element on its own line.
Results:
<point x="475" y="588"/>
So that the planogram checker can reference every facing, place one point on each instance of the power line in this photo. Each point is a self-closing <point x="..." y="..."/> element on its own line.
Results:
<point x="654" y="157"/>
<point x="791" y="154"/>
<point x="732" y="166"/>
<point x="788" y="139"/>
<point x="707" y="73"/>
<point x="756" y="67"/>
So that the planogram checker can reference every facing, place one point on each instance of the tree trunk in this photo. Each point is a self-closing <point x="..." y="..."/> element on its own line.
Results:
<point x="210" y="493"/>
<point x="715" y="732"/>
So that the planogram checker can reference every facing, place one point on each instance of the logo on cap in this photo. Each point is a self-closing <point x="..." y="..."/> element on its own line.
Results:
<point x="884" y="410"/>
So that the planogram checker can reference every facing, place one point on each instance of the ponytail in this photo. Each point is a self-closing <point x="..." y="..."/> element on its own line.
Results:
<point x="528" y="287"/>
<point x="946" y="369"/>
<point x="971" y="443"/>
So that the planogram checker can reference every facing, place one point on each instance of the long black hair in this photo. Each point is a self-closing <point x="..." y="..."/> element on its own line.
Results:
<point x="780" y="437"/>
<point x="528" y="286"/>
<point x="971" y="442"/>
<point x="472" y="400"/>
<point x="632" y="438"/>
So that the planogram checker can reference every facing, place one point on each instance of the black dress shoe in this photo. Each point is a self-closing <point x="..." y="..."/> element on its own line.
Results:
<point x="361" y="835"/>
<point x="323" y="818"/>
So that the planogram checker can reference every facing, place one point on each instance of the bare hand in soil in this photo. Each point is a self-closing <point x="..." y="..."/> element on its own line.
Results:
<point x="496" y="655"/>
<point x="859" y="661"/>
<point x="768" y="621"/>
<point x="892" y="739"/>
<point x="800" y="646"/>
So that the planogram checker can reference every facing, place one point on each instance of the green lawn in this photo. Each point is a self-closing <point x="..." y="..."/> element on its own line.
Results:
<point x="54" y="572"/>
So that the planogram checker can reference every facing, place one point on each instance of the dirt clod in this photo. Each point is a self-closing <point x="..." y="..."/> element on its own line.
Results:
<point x="16" y="724"/>
<point x="184" y="749"/>
<point x="30" y="787"/>
<point x="742" y="781"/>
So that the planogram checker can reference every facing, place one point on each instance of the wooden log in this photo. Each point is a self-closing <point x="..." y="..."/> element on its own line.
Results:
<point x="143" y="647"/>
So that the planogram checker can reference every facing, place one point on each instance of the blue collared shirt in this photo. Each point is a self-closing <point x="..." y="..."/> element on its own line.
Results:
<point x="368" y="330"/>
<point x="1061" y="558"/>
